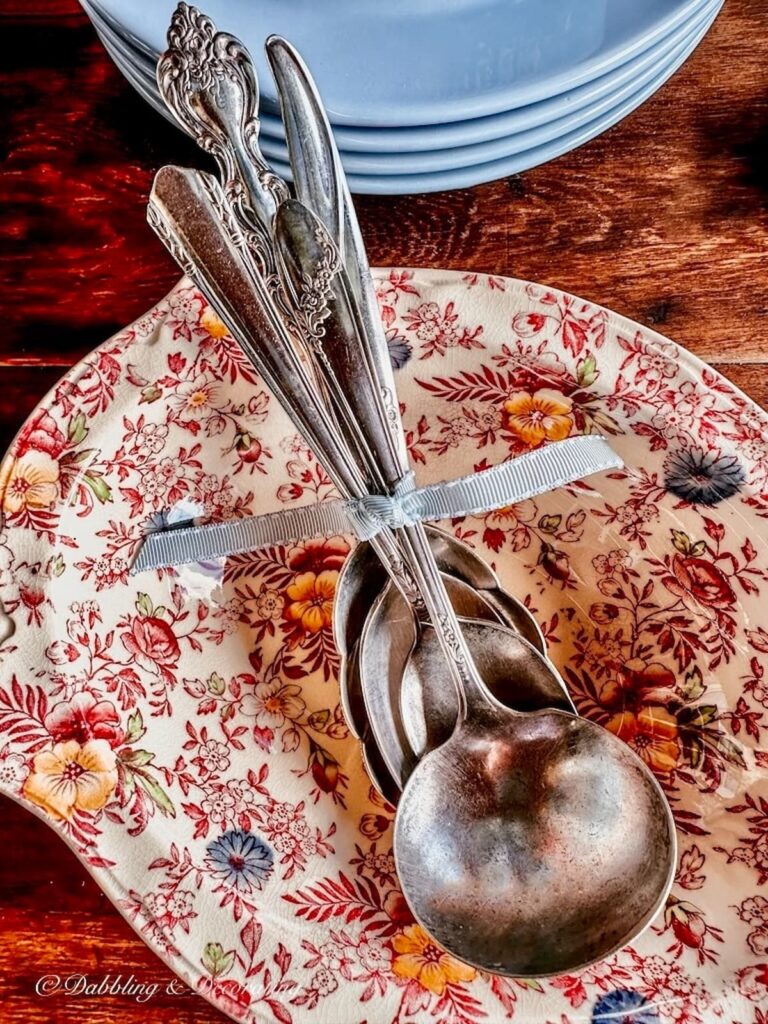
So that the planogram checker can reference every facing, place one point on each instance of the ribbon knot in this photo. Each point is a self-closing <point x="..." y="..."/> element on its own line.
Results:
<point x="375" y="512"/>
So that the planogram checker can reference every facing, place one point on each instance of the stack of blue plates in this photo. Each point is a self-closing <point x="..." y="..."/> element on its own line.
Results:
<point x="425" y="95"/>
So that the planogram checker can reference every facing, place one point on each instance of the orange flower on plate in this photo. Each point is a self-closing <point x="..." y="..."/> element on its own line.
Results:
<point x="419" y="959"/>
<point x="652" y="734"/>
<point x="311" y="599"/>
<point x="29" y="482"/>
<point x="72" y="776"/>
<point x="542" y="416"/>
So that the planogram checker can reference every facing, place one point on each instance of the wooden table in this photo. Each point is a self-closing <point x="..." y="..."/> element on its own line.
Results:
<point x="664" y="218"/>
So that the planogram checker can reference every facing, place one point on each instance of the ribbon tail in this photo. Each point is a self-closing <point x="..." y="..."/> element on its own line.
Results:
<point x="188" y="544"/>
<point x="544" y="469"/>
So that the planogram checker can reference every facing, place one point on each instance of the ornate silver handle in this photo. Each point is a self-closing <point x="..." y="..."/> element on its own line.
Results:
<point x="207" y="81"/>
<point x="192" y="217"/>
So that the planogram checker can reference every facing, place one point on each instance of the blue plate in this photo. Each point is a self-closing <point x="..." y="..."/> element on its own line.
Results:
<point x="520" y="142"/>
<point x="423" y="62"/>
<point x="472" y="156"/>
<point x="403" y="184"/>
<point x="448" y="136"/>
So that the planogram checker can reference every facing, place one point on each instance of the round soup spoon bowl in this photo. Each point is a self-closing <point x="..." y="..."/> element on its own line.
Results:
<point x="532" y="844"/>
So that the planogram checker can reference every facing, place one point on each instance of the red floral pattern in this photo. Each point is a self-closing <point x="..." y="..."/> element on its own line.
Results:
<point x="183" y="730"/>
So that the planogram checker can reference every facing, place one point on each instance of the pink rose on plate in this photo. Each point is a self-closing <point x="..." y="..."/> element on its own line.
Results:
<point x="753" y="981"/>
<point x="84" y="718"/>
<point x="152" y="643"/>
<point x="41" y="434"/>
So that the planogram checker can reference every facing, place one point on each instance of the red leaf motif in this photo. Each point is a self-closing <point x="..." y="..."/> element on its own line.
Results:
<point x="282" y="958"/>
<point x="759" y="639"/>
<point x="575" y="335"/>
<point x="279" y="1011"/>
<point x="250" y="936"/>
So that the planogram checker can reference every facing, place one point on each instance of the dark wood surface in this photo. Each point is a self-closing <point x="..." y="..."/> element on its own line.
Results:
<point x="664" y="218"/>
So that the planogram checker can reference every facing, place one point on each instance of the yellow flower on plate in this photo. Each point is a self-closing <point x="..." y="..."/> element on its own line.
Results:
<point x="72" y="776"/>
<point x="213" y="325"/>
<point x="419" y="959"/>
<point x="542" y="416"/>
<point x="28" y="482"/>
<point x="311" y="599"/>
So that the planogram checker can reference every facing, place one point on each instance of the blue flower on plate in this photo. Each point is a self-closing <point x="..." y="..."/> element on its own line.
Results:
<point x="624" y="1006"/>
<point x="240" y="859"/>
<point x="400" y="349"/>
<point x="702" y="478"/>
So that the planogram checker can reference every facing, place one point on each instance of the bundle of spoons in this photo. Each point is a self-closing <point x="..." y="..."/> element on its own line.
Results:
<point x="528" y="841"/>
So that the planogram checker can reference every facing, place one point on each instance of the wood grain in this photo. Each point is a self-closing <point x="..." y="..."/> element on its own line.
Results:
<point x="665" y="218"/>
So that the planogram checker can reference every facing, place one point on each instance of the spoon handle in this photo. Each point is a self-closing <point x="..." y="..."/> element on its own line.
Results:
<point x="190" y="214"/>
<point x="313" y="271"/>
<point x="207" y="81"/>
<point x="314" y="277"/>
<point x="358" y="357"/>
<point x="314" y="274"/>
<point x="321" y="185"/>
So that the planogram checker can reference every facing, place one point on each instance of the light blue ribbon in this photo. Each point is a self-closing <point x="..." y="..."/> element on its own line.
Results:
<point x="544" y="469"/>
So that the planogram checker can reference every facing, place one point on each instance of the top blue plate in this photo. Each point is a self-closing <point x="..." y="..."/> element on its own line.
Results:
<point x="420" y="62"/>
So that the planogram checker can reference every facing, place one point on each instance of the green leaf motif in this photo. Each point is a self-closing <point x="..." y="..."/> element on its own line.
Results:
<point x="78" y="431"/>
<point x="598" y="422"/>
<point x="98" y="485"/>
<point x="681" y="541"/>
<point x="586" y="371"/>
<point x="549" y="524"/>
<point x="144" y="605"/>
<point x="156" y="794"/>
<point x="692" y="686"/>
<point x="216" y="961"/>
<point x="319" y="719"/>
<point x="530" y="983"/>
<point x="216" y="685"/>
<point x="150" y="394"/>
<point x="698" y="549"/>
<point x="57" y="565"/>
<point x="695" y="752"/>
<point x="136" y="758"/>
<point x="135" y="729"/>
<point x="702" y="715"/>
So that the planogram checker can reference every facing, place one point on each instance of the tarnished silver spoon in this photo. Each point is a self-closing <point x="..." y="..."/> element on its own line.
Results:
<point x="532" y="844"/>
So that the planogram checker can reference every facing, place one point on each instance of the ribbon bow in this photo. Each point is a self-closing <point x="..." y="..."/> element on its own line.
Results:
<point x="535" y="473"/>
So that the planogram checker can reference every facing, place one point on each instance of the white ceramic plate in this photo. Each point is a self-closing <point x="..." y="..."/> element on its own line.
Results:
<point x="183" y="733"/>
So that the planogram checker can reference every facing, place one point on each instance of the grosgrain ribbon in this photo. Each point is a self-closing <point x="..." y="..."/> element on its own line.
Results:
<point x="544" y="469"/>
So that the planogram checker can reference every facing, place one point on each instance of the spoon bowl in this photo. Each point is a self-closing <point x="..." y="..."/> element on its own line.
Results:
<point x="532" y="844"/>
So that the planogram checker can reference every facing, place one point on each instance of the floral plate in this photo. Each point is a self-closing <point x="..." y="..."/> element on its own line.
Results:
<point x="183" y="733"/>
